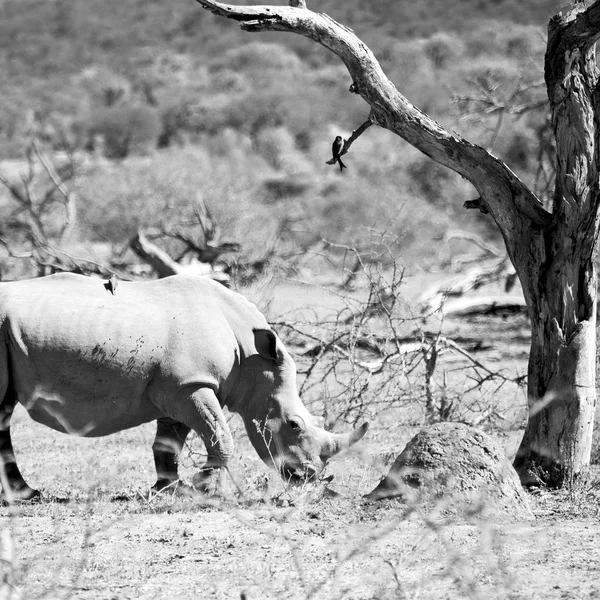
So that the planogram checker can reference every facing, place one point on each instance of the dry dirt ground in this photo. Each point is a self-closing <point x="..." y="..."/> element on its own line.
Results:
<point x="98" y="534"/>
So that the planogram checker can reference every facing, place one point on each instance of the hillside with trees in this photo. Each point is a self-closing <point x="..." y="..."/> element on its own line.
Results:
<point x="177" y="104"/>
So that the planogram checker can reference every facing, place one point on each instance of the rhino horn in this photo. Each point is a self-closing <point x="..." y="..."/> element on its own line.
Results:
<point x="336" y="442"/>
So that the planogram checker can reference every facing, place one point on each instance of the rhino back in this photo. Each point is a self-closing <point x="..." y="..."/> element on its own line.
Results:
<point x="88" y="356"/>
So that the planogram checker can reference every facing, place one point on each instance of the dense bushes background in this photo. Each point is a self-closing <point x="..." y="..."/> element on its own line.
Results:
<point x="177" y="103"/>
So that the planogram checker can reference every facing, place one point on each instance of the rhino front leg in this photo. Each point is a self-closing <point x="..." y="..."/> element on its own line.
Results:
<point x="201" y="411"/>
<point x="9" y="474"/>
<point x="170" y="437"/>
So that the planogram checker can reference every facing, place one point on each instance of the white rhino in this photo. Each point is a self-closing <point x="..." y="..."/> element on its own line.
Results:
<point x="88" y="362"/>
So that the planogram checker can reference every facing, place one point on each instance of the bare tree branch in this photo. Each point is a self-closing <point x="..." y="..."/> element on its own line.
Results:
<point x="474" y="239"/>
<point x="14" y="190"/>
<point x="14" y="253"/>
<point x="488" y="100"/>
<point x="157" y="258"/>
<point x="513" y="206"/>
<point x="26" y="200"/>
<point x="69" y="200"/>
<point x="200" y="236"/>
<point x="165" y="266"/>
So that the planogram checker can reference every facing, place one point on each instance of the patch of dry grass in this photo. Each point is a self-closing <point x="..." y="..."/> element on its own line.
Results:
<point x="100" y="534"/>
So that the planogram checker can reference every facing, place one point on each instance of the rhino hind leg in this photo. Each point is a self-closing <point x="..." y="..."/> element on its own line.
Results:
<point x="9" y="471"/>
<point x="170" y="437"/>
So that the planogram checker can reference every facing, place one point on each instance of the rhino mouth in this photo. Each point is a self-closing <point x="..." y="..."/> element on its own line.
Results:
<point x="298" y="474"/>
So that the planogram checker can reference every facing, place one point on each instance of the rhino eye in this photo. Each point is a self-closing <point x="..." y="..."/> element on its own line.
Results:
<point x="294" y="425"/>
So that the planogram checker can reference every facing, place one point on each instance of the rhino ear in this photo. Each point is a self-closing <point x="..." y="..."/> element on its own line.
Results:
<point x="266" y="344"/>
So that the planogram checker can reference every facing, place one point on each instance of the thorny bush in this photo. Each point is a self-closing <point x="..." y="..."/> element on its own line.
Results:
<point x="376" y="353"/>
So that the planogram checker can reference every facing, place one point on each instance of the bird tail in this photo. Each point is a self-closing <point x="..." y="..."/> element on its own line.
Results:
<point x="342" y="165"/>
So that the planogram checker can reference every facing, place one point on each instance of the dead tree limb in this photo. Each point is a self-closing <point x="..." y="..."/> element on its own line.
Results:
<point x="68" y="197"/>
<point x="488" y="272"/>
<point x="503" y="193"/>
<point x="474" y="239"/>
<point x="484" y="305"/>
<point x="200" y="236"/>
<point x="165" y="266"/>
<point x="157" y="258"/>
<point x="34" y="221"/>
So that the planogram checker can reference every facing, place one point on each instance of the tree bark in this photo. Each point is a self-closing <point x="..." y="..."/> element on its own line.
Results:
<point x="553" y="253"/>
<point x="556" y="445"/>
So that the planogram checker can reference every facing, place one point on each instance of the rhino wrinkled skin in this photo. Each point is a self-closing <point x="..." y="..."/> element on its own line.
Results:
<point x="87" y="362"/>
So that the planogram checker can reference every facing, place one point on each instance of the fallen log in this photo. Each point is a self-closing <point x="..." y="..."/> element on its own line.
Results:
<point x="157" y="258"/>
<point x="486" y="273"/>
<point x="483" y="305"/>
<point x="164" y="265"/>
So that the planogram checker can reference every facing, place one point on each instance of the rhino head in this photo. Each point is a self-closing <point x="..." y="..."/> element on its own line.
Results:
<point x="283" y="432"/>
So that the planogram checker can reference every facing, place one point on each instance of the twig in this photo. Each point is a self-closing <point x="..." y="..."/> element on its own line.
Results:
<point x="475" y="239"/>
<point x="69" y="202"/>
<point x="13" y="253"/>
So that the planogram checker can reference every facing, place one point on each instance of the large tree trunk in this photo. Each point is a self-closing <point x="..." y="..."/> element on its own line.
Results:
<point x="553" y="253"/>
<point x="562" y="365"/>
<point x="562" y="390"/>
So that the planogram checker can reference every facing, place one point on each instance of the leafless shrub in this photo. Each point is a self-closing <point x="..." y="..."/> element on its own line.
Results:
<point x="194" y="242"/>
<point x="198" y="235"/>
<point x="123" y="130"/>
<point x="42" y="216"/>
<point x="488" y="104"/>
<point x="377" y="354"/>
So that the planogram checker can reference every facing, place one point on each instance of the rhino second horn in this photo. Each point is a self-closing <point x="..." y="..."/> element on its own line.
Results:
<point x="336" y="442"/>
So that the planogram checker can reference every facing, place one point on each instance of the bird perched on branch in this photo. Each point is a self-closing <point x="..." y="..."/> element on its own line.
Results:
<point x="111" y="284"/>
<point x="336" y="149"/>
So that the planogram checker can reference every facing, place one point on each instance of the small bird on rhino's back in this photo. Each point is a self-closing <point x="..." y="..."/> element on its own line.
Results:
<point x="111" y="284"/>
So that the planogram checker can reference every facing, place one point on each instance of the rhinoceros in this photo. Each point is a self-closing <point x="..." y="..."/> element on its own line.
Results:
<point x="177" y="350"/>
